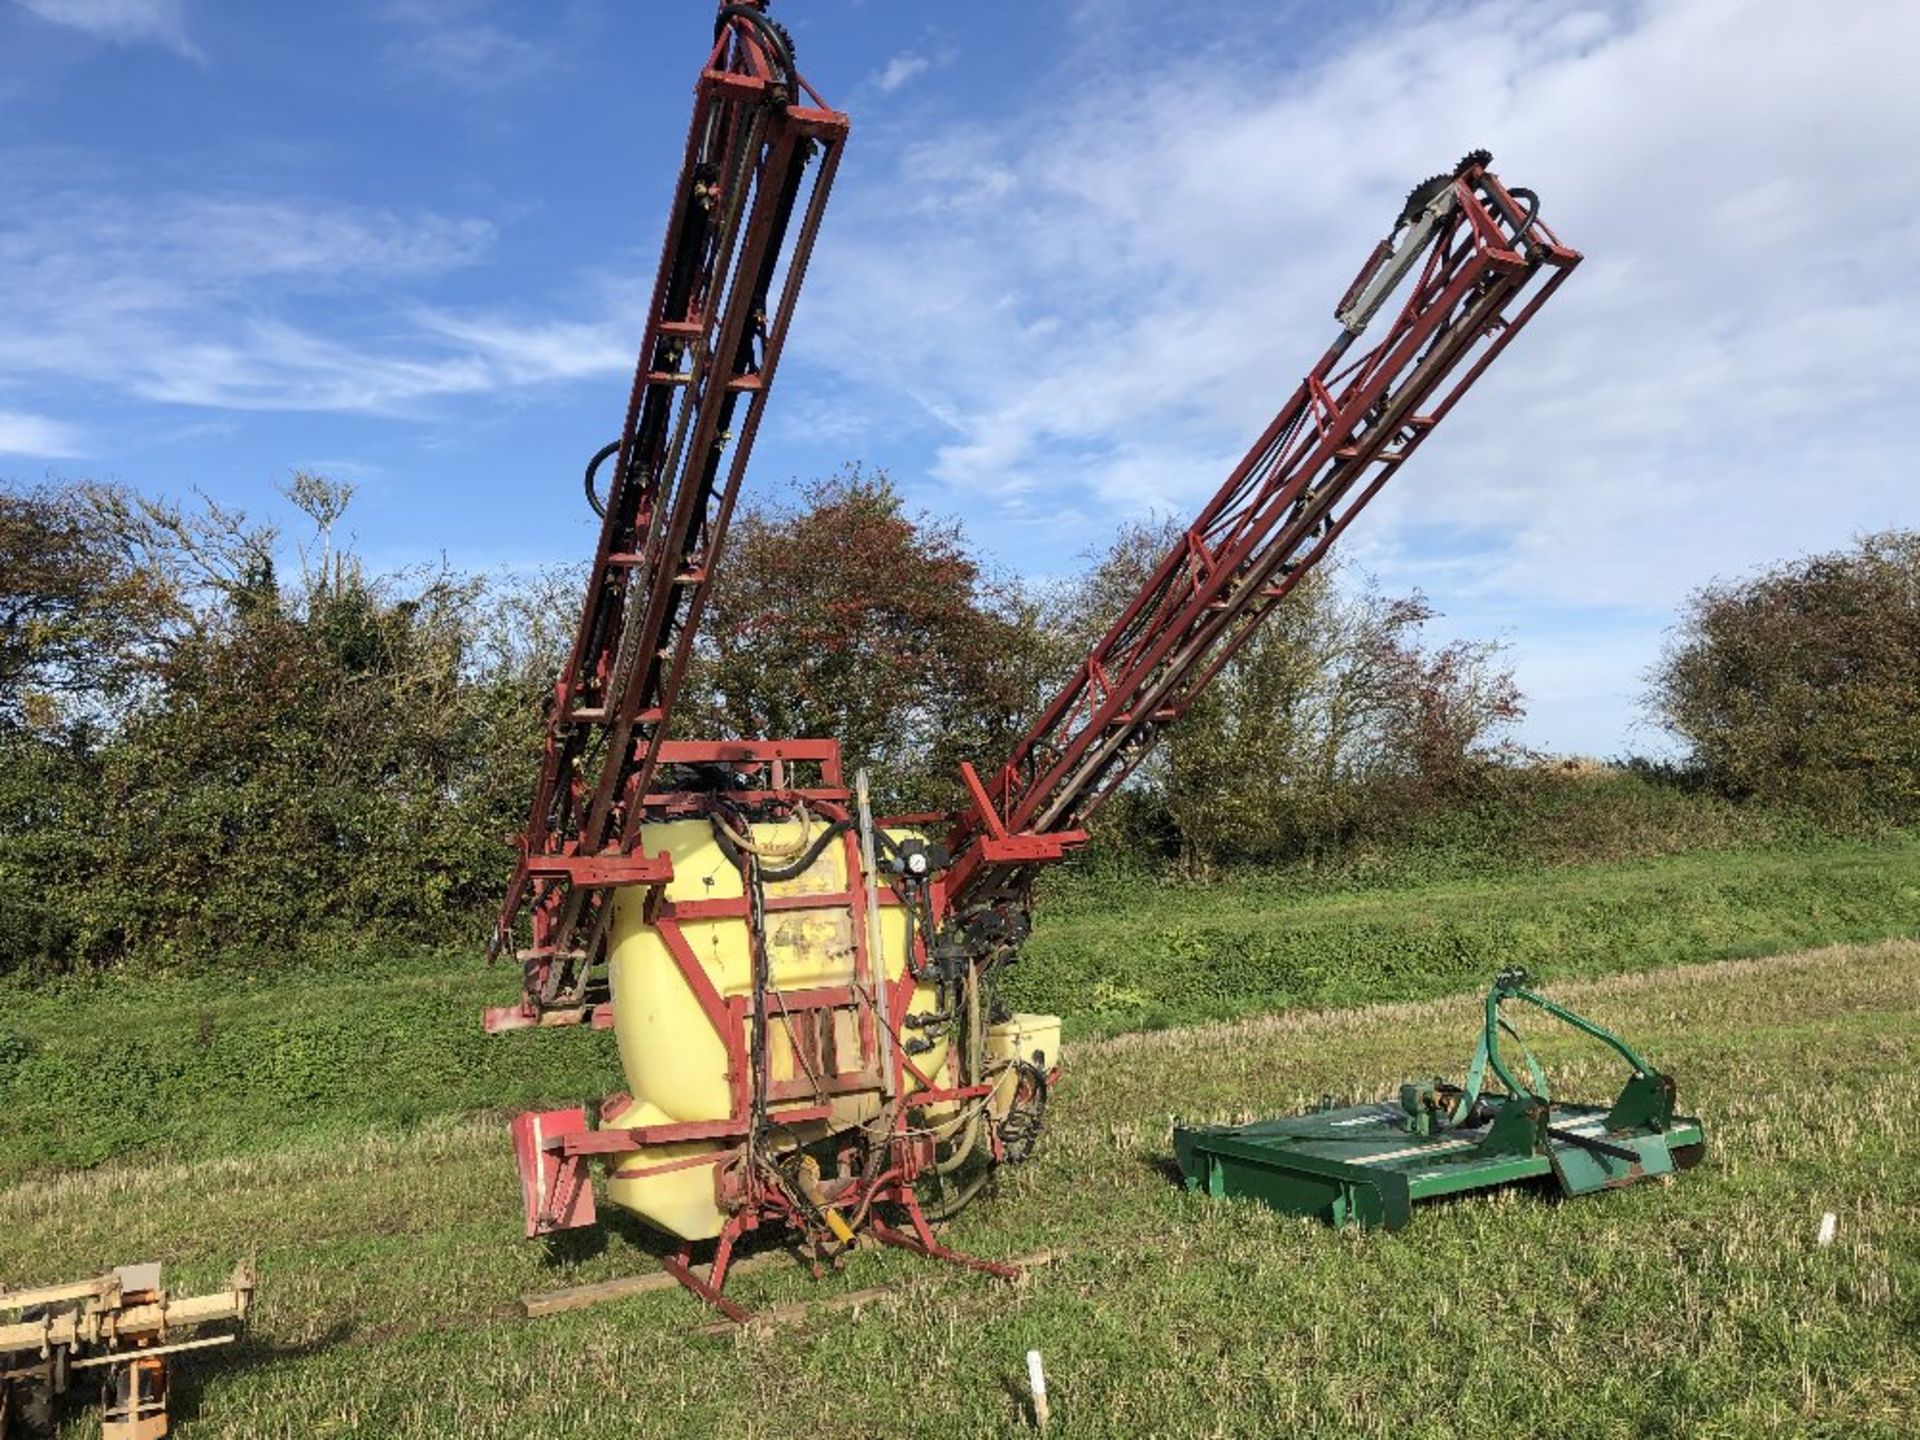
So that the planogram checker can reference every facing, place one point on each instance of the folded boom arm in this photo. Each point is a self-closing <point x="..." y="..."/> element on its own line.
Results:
<point x="759" y="163"/>
<point x="1481" y="263"/>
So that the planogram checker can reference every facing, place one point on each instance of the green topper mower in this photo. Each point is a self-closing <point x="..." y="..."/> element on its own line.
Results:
<point x="1367" y="1164"/>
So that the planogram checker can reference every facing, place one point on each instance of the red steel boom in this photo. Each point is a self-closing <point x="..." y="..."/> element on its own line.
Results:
<point x="711" y="346"/>
<point x="1473" y="257"/>
<point x="1484" y="263"/>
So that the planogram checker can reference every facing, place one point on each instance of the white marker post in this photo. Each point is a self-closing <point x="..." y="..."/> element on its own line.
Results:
<point x="1037" y="1381"/>
<point x="1829" y="1222"/>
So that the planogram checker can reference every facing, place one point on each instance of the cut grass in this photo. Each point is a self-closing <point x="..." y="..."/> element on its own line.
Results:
<point x="233" y="1062"/>
<point x="1699" y="1308"/>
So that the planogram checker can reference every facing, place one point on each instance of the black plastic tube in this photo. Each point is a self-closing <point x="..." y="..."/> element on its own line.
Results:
<point x="593" y="468"/>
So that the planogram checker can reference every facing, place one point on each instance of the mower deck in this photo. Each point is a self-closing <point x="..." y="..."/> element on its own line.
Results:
<point x="1363" y="1164"/>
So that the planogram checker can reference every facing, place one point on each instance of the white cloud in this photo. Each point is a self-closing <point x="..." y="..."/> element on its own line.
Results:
<point x="899" y="70"/>
<point x="257" y="303"/>
<point x="1092" y="307"/>
<point x="195" y="242"/>
<point x="269" y="365"/>
<point x="186" y="299"/>
<point x="531" y="352"/>
<point x="454" y="44"/>
<point x="123" y="22"/>
<point x="23" y="434"/>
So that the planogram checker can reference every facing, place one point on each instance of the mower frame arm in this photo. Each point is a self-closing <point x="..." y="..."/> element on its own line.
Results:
<point x="1511" y="985"/>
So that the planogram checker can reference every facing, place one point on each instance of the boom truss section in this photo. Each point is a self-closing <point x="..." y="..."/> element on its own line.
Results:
<point x="1480" y="262"/>
<point x="760" y="159"/>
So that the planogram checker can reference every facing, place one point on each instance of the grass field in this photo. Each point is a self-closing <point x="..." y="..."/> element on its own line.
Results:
<point x="1699" y="1308"/>
<point x="1136" y="951"/>
<point x="235" y="1061"/>
<point x="344" y="1123"/>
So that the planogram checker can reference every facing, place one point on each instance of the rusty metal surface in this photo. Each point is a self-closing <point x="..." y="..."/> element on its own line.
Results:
<point x="758" y="167"/>
<point x="124" y="1323"/>
<point x="103" y="1311"/>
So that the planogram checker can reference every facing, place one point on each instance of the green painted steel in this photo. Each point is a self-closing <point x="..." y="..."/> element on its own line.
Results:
<point x="1363" y="1165"/>
<point x="1368" y="1164"/>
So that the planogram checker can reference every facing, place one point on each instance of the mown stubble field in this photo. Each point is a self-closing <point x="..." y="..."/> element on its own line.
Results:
<point x="1702" y="1307"/>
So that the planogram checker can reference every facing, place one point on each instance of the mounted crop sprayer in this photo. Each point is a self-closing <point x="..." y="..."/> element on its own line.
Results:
<point x="804" y="995"/>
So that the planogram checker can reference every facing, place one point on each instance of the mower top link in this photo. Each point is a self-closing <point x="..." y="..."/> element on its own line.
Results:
<point x="1367" y="1164"/>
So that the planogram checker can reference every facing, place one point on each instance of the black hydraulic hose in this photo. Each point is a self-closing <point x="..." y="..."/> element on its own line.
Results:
<point x="762" y="980"/>
<point x="796" y="867"/>
<point x="948" y="1206"/>
<point x="793" y="869"/>
<point x="1520" y="192"/>
<point x="593" y="468"/>
<point x="771" y="35"/>
<point x="1520" y="226"/>
<point x="727" y="848"/>
<point x="922" y="912"/>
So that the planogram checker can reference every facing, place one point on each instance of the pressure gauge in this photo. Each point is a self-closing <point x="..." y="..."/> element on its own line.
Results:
<point x="916" y="860"/>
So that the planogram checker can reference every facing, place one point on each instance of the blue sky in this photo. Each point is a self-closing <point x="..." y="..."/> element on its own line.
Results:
<point x="1078" y="254"/>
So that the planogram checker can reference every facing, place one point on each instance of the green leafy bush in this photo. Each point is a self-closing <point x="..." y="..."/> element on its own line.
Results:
<point x="216" y="750"/>
<point x="1801" y="686"/>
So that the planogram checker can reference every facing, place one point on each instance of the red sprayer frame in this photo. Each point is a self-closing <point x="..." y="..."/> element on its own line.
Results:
<point x="1475" y="263"/>
<point x="556" y="1147"/>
